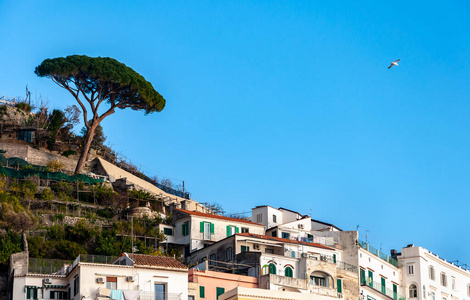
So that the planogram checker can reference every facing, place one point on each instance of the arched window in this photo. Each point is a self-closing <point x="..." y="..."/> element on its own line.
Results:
<point x="272" y="268"/>
<point x="288" y="272"/>
<point x="265" y="270"/>
<point x="321" y="278"/>
<point x="413" y="291"/>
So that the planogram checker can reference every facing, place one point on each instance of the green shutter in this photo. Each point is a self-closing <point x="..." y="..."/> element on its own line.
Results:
<point x="371" y="278"/>
<point x="237" y="229"/>
<point x="28" y="293"/>
<point x="228" y="230"/>
<point x="202" y="292"/>
<point x="183" y="229"/>
<point x="288" y="272"/>
<point x="212" y="228"/>
<point x="201" y="226"/>
<point x="363" y="276"/>
<point x="272" y="268"/>
<point x="339" y="285"/>
<point x="382" y="282"/>
<point x="220" y="291"/>
<point x="334" y="258"/>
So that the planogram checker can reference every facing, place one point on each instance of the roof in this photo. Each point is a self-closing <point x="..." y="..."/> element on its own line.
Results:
<point x="155" y="261"/>
<point x="200" y="214"/>
<point x="272" y="238"/>
<point x="324" y="223"/>
<point x="292" y="211"/>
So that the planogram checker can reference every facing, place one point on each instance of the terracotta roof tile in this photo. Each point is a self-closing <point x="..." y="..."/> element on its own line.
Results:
<point x="200" y="214"/>
<point x="155" y="261"/>
<point x="272" y="238"/>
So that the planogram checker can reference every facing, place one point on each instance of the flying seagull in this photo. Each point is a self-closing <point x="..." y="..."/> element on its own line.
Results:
<point x="394" y="63"/>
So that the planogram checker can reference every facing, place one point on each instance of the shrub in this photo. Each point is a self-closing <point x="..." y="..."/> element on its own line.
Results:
<point x="47" y="194"/>
<point x="23" y="106"/>
<point x="55" y="165"/>
<point x="105" y="212"/>
<point x="68" y="153"/>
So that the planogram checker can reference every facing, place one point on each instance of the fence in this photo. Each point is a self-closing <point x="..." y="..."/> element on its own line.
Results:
<point x="381" y="288"/>
<point x="47" y="266"/>
<point x="8" y="100"/>
<point x="377" y="252"/>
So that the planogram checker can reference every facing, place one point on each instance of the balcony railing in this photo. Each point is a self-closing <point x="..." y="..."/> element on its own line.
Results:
<point x="48" y="266"/>
<point x="146" y="295"/>
<point x="346" y="266"/>
<point x="377" y="252"/>
<point x="381" y="288"/>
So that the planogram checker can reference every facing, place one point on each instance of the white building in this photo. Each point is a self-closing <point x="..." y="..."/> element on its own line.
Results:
<point x="191" y="230"/>
<point x="130" y="276"/>
<point x="427" y="276"/>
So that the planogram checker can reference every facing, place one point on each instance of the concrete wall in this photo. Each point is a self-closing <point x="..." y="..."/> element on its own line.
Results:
<point x="36" y="157"/>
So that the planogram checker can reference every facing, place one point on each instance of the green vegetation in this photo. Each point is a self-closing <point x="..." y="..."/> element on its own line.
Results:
<point x="100" y="223"/>
<point x="100" y="80"/>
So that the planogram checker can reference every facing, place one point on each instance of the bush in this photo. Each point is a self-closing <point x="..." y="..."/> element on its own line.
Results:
<point x="68" y="153"/>
<point x="107" y="212"/>
<point x="47" y="194"/>
<point x="23" y="106"/>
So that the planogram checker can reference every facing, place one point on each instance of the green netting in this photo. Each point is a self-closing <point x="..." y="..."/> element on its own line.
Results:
<point x="27" y="170"/>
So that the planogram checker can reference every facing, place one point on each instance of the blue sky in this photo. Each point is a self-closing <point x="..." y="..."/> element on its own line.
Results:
<point x="286" y="103"/>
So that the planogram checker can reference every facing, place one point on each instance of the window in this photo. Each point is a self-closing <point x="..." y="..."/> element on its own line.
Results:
<point x="339" y="286"/>
<point x="191" y="297"/>
<point x="433" y="295"/>
<point x="274" y="219"/>
<point x="424" y="291"/>
<point x="259" y="218"/>
<point x="265" y="270"/>
<point x="468" y="290"/>
<point x="245" y="248"/>
<point x="321" y="279"/>
<point x="245" y="230"/>
<point x="413" y="291"/>
<point x="111" y="283"/>
<point x="269" y="250"/>
<point x="212" y="259"/>
<point x="59" y="295"/>
<point x="202" y="292"/>
<point x="31" y="292"/>
<point x="76" y="285"/>
<point x="160" y="291"/>
<point x="363" y="277"/>
<point x="168" y="231"/>
<point x="411" y="269"/>
<point x="443" y="279"/>
<point x="292" y="254"/>
<point x="207" y="229"/>
<point x="453" y="283"/>
<point x="382" y="285"/>
<point x="395" y="291"/>
<point x="286" y="235"/>
<point x="231" y="230"/>
<point x="371" y="278"/>
<point x="220" y="291"/>
<point x="274" y="233"/>
<point x="288" y="272"/>
<point x="185" y="228"/>
<point x="272" y="268"/>
<point x="431" y="273"/>
<point x="229" y="253"/>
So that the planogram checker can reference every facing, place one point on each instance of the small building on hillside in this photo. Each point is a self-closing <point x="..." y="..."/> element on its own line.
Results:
<point x="428" y="276"/>
<point x="130" y="276"/>
<point x="191" y="230"/>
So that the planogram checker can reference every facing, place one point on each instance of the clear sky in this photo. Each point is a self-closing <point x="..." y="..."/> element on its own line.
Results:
<point x="285" y="103"/>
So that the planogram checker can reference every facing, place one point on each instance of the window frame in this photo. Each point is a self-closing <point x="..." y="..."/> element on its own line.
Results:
<point x="443" y="278"/>
<point x="413" y="291"/>
<point x="111" y="280"/>
<point x="228" y="251"/>
<point x="432" y="273"/>
<point x="166" y="229"/>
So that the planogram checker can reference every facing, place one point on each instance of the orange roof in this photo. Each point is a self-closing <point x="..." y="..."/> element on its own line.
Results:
<point x="155" y="261"/>
<point x="200" y="214"/>
<point x="272" y="238"/>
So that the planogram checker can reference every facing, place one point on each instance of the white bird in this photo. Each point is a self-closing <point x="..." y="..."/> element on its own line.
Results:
<point x="394" y="63"/>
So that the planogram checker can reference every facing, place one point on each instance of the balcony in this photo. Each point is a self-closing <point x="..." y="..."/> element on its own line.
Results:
<point x="296" y="283"/>
<point x="377" y="252"/>
<point x="381" y="289"/>
<point x="145" y="295"/>
<point x="332" y="260"/>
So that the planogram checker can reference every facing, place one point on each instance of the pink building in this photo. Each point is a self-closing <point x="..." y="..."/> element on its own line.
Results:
<point x="212" y="284"/>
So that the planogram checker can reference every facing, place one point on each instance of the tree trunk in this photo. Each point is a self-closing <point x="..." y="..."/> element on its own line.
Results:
<point x="86" y="147"/>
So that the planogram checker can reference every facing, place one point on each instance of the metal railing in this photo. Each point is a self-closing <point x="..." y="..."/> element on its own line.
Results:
<point x="146" y="295"/>
<point x="48" y="266"/>
<point x="377" y="252"/>
<point x="381" y="288"/>
<point x="346" y="266"/>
